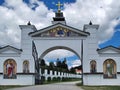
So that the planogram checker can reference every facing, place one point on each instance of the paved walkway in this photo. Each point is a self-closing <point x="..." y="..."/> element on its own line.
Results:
<point x="57" y="86"/>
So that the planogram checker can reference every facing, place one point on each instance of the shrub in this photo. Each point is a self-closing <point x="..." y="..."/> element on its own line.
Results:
<point x="42" y="70"/>
<point x="58" y="79"/>
<point x="42" y="78"/>
<point x="49" y="79"/>
<point x="54" y="79"/>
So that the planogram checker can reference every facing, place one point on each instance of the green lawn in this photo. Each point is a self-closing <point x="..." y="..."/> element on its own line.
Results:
<point x="99" y="87"/>
<point x="7" y="87"/>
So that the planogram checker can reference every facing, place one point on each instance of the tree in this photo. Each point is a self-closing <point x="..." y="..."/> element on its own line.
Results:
<point x="42" y="63"/>
<point x="64" y="64"/>
<point x="51" y="65"/>
<point x="58" y="63"/>
<point x="72" y="70"/>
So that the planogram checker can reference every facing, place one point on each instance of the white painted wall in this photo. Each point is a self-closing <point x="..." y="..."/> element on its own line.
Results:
<point x="98" y="79"/>
<point x="21" y="80"/>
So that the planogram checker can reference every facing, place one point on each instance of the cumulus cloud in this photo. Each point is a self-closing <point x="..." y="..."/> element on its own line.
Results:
<point x="74" y="63"/>
<point x="15" y="13"/>
<point x="102" y="12"/>
<point x="59" y="53"/>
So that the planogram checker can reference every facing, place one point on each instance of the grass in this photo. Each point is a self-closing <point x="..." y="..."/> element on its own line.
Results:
<point x="3" y="87"/>
<point x="101" y="87"/>
<point x="98" y="87"/>
<point x="51" y="82"/>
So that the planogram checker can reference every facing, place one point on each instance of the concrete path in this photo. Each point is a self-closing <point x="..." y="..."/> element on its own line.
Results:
<point x="57" y="86"/>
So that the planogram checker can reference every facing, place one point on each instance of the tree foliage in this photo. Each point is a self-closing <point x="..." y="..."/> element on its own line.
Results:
<point x="42" y="63"/>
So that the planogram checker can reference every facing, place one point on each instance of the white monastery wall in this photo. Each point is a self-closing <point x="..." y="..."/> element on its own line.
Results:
<point x="97" y="79"/>
<point x="21" y="80"/>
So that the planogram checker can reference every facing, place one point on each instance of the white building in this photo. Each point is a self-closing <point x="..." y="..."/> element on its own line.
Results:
<point x="100" y="66"/>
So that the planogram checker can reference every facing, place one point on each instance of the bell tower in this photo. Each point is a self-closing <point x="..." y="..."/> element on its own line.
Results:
<point x="59" y="17"/>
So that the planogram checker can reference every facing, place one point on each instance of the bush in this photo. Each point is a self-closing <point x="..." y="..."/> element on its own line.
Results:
<point x="42" y="70"/>
<point x="63" y="79"/>
<point x="54" y="79"/>
<point x="42" y="78"/>
<point x="49" y="79"/>
<point x="58" y="79"/>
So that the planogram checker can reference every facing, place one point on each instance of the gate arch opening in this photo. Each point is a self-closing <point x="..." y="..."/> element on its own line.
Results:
<point x="61" y="62"/>
<point x="58" y="47"/>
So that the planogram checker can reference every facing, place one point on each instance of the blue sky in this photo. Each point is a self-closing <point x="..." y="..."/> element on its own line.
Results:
<point x="106" y="13"/>
<point x="51" y="4"/>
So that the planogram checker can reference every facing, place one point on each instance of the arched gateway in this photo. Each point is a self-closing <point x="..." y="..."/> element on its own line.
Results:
<point x="59" y="36"/>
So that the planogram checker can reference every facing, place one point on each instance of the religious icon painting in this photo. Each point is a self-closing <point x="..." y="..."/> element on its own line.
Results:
<point x="93" y="66"/>
<point x="109" y="68"/>
<point x="26" y="66"/>
<point x="10" y="69"/>
<point x="60" y="33"/>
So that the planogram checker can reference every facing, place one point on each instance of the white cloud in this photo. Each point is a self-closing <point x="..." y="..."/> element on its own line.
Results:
<point x="59" y="53"/>
<point x="15" y="13"/>
<point x="74" y="63"/>
<point x="102" y="12"/>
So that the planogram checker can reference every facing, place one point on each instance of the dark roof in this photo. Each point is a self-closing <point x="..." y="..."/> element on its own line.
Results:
<point x="108" y="47"/>
<point x="10" y="47"/>
<point x="60" y="24"/>
<point x="115" y="49"/>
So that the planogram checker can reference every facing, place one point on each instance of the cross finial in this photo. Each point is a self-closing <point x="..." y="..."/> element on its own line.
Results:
<point x="59" y="6"/>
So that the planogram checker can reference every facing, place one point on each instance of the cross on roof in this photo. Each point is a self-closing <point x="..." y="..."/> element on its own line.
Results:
<point x="59" y="6"/>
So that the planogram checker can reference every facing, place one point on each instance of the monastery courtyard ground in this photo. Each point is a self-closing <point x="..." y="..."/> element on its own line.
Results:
<point x="56" y="86"/>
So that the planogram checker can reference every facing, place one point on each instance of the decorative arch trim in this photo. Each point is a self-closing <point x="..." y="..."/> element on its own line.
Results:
<point x="57" y="47"/>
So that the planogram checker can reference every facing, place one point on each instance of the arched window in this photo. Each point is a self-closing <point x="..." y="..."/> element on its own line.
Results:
<point x="109" y="68"/>
<point x="93" y="66"/>
<point x="26" y="66"/>
<point x="10" y="69"/>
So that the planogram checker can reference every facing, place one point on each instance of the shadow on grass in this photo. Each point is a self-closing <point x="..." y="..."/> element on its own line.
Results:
<point x="98" y="87"/>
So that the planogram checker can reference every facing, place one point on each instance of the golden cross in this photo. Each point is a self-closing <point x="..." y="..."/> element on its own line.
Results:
<point x="59" y="5"/>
